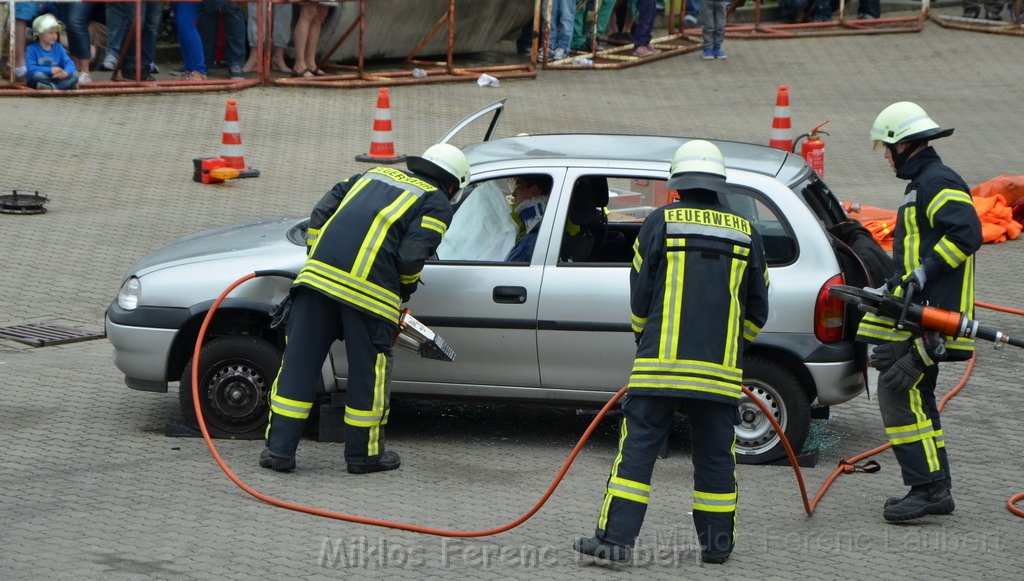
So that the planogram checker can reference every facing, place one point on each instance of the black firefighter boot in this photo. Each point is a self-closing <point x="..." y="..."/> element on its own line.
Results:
<point x="923" y="499"/>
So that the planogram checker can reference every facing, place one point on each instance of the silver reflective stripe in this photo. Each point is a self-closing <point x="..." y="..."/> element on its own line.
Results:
<point x="730" y="502"/>
<point x="704" y="230"/>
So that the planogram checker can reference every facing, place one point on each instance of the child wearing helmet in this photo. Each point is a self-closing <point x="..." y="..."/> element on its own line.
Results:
<point x="49" y="66"/>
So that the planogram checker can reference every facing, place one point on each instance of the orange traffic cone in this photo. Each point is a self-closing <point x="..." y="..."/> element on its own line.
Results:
<point x="382" y="149"/>
<point x="231" y="142"/>
<point x="782" y="130"/>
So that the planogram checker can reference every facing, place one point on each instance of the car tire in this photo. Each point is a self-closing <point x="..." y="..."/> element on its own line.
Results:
<point x="780" y="390"/>
<point x="235" y="377"/>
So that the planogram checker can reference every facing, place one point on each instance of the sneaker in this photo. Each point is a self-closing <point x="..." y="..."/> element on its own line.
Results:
<point x="275" y="461"/>
<point x="153" y="69"/>
<point x="44" y="86"/>
<point x="84" y="78"/>
<point x="925" y="499"/>
<point x="602" y="550"/>
<point x="236" y="73"/>
<point x="645" y="50"/>
<point x="387" y="461"/>
<point x="972" y="12"/>
<point x="993" y="15"/>
<point x="558" y="54"/>
<point x="108" y="64"/>
<point x="194" y="76"/>
<point x="689" y="21"/>
<point x="719" y="53"/>
<point x="709" y="54"/>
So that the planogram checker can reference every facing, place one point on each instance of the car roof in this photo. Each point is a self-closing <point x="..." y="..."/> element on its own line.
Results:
<point x="630" y="148"/>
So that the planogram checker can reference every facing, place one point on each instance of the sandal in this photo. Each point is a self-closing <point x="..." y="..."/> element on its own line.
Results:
<point x="304" y="73"/>
<point x="320" y="72"/>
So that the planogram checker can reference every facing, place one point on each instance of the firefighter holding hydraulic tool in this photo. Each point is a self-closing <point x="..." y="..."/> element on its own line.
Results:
<point x="699" y="295"/>
<point x="368" y="239"/>
<point x="937" y="233"/>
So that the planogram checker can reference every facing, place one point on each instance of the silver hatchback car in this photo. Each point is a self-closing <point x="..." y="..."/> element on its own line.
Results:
<point x="551" y="330"/>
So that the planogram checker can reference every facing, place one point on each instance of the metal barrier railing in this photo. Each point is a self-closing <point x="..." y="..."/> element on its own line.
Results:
<point x="1014" y="27"/>
<point x="356" y="75"/>
<point x="841" y="25"/>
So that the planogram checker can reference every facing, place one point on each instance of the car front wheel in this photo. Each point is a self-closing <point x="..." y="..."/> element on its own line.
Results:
<point x="779" y="389"/>
<point x="235" y="377"/>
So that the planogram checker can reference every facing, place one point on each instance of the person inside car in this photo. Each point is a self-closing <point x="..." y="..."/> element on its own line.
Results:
<point x="529" y="200"/>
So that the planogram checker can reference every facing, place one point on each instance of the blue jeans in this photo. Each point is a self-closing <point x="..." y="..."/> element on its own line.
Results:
<point x="644" y="24"/>
<point x="234" y="31"/>
<point x="192" y="56"/>
<point x="70" y="82"/>
<point x="125" y="21"/>
<point x="692" y="7"/>
<point x="76" y="17"/>
<point x="563" y="13"/>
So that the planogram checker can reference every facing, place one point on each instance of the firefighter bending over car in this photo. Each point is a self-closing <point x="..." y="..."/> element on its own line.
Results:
<point x="367" y="241"/>
<point x="937" y="233"/>
<point x="699" y="295"/>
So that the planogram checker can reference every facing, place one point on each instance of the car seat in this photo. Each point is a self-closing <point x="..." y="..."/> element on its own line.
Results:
<point x="587" y="227"/>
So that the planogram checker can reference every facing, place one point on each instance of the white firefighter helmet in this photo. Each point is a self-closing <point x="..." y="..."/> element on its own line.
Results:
<point x="698" y="164"/>
<point x="903" y="122"/>
<point x="442" y="161"/>
<point x="44" y="23"/>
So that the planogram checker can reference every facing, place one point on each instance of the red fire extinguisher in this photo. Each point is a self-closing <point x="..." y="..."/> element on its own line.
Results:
<point x="813" y="149"/>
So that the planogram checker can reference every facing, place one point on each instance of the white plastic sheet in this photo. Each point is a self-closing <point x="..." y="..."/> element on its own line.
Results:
<point x="482" y="229"/>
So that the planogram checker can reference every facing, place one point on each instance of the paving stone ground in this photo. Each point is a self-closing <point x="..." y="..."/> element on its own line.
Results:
<point x="93" y="489"/>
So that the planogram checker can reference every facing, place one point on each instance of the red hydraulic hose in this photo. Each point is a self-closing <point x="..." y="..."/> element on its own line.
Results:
<point x="846" y="466"/>
<point x="362" y="519"/>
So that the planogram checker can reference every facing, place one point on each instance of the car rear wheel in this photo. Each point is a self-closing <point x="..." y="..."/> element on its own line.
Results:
<point x="779" y="389"/>
<point x="235" y="377"/>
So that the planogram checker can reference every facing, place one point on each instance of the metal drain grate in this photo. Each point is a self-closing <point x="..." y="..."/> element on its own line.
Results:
<point x="43" y="334"/>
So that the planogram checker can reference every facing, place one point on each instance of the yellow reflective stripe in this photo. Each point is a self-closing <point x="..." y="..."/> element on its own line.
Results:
<point x="629" y="489"/>
<point x="881" y="328"/>
<point x="346" y="294"/>
<point x="362" y="418"/>
<point x="312" y="234"/>
<point x="602" y="519"/>
<point x="432" y="223"/>
<point x="672" y="301"/>
<point x="637" y="323"/>
<point x="911" y="240"/>
<point x="356" y="188"/>
<point x="336" y="276"/>
<point x="409" y="278"/>
<point x="942" y="198"/>
<point x="714" y="501"/>
<point x="291" y="408"/>
<point x="736" y="275"/>
<point x="638" y="260"/>
<point x="949" y="252"/>
<point x="917" y="407"/>
<point x="750" y="330"/>
<point x="377" y="232"/>
<point x="687" y="384"/>
<point x="687" y="366"/>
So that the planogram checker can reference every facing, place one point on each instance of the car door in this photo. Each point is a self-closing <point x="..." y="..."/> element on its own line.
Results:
<point x="584" y="338"/>
<point x="485" y="308"/>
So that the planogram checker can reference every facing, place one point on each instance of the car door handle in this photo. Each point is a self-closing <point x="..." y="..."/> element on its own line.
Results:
<point x="515" y="295"/>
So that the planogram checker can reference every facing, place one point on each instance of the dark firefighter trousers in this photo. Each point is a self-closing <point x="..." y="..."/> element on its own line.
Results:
<point x="911" y="420"/>
<point x="645" y="424"/>
<point x="315" y="322"/>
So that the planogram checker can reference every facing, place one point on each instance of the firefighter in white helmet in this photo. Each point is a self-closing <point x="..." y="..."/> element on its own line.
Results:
<point x="937" y="233"/>
<point x="367" y="241"/>
<point x="698" y="295"/>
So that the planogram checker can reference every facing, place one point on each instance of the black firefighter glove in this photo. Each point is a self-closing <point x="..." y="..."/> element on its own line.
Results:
<point x="903" y="374"/>
<point x="886" y="355"/>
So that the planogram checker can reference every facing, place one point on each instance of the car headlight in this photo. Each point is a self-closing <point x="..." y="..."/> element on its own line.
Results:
<point x="128" y="296"/>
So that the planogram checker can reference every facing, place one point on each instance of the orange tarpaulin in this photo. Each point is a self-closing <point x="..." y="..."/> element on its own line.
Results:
<point x="990" y="201"/>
